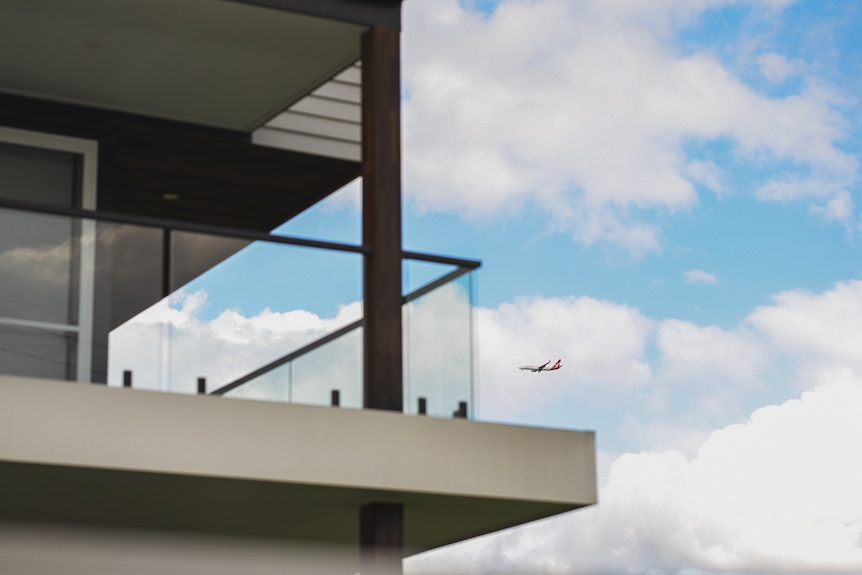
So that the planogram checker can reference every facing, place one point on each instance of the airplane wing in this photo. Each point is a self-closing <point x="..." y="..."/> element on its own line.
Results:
<point x="535" y="368"/>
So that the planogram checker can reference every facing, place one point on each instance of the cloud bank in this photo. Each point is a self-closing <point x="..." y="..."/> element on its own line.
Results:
<point x="775" y="494"/>
<point x="715" y="484"/>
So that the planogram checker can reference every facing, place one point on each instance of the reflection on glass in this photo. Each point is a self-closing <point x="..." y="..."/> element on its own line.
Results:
<point x="37" y="267"/>
<point x="65" y="284"/>
<point x="438" y="349"/>
<point x="46" y="269"/>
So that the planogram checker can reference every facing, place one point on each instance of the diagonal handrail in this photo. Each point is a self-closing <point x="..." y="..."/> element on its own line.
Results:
<point x="415" y="294"/>
<point x="289" y="357"/>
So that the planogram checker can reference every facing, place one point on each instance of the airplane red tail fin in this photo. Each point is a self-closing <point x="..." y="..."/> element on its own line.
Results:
<point x="558" y="365"/>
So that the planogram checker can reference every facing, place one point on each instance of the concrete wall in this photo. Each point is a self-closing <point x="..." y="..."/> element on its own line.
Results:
<point x="457" y="478"/>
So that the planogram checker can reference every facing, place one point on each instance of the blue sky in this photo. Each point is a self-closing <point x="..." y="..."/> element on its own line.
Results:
<point x="665" y="194"/>
<point x="754" y="248"/>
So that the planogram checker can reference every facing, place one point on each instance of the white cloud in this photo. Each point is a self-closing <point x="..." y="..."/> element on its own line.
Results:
<point x="815" y="331"/>
<point x="706" y="173"/>
<point x="660" y="383"/>
<point x="690" y="352"/>
<point x="584" y="110"/>
<point x="602" y="344"/>
<point x="836" y="205"/>
<point x="794" y="188"/>
<point x="777" y="494"/>
<point x="775" y="67"/>
<point x="720" y="486"/>
<point x="773" y="494"/>
<point x="699" y="277"/>
<point x="168" y="346"/>
<point x="840" y="208"/>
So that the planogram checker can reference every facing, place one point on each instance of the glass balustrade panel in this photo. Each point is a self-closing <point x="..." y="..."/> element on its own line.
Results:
<point x="323" y="373"/>
<point x="275" y="384"/>
<point x="130" y="288"/>
<point x="242" y="305"/>
<point x="438" y="346"/>
<point x="330" y="374"/>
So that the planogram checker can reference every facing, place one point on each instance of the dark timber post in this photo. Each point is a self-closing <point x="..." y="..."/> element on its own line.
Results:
<point x="381" y="217"/>
<point x="381" y="525"/>
<point x="381" y="538"/>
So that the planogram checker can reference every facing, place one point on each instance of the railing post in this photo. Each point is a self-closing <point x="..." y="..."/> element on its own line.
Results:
<point x="423" y="406"/>
<point x="335" y="399"/>
<point x="202" y="385"/>
<point x="167" y="262"/>
<point x="461" y="411"/>
<point x="127" y="378"/>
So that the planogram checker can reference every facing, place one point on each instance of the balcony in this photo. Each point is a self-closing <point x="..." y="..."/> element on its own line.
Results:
<point x="185" y="308"/>
<point x="140" y="303"/>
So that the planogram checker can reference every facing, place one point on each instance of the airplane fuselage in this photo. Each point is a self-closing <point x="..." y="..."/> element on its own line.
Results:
<point x="543" y="367"/>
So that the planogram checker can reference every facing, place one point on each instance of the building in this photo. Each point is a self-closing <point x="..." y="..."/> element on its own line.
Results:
<point x="145" y="143"/>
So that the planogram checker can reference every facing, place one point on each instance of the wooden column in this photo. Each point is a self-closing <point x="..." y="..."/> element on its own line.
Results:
<point x="381" y="218"/>
<point x="381" y="538"/>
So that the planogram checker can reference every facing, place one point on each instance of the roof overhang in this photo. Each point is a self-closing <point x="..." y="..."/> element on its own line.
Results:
<point x="216" y="63"/>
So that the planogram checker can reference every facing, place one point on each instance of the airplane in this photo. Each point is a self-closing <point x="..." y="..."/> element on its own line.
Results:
<point x="538" y="368"/>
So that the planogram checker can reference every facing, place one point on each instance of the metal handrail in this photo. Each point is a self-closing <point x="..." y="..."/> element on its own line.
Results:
<point x="179" y="225"/>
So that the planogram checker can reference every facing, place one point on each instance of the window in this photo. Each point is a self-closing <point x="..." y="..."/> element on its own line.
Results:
<point x="46" y="261"/>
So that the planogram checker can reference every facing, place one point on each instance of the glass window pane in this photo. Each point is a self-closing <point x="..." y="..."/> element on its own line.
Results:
<point x="36" y="175"/>
<point x="33" y="352"/>
<point x="37" y="267"/>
